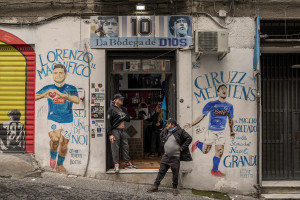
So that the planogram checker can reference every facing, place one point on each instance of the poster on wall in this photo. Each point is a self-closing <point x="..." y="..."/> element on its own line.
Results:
<point x="140" y="31"/>
<point x="224" y="120"/>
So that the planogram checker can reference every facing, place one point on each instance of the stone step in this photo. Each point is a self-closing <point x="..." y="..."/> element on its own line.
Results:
<point x="280" y="196"/>
<point x="280" y="187"/>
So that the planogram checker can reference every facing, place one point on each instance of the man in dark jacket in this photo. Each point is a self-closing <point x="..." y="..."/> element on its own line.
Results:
<point x="176" y="143"/>
<point x="116" y="116"/>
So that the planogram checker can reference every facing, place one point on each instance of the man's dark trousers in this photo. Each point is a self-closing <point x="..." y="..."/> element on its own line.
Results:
<point x="165" y="163"/>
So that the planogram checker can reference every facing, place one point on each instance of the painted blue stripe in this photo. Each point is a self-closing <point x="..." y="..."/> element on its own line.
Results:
<point x="161" y="26"/>
<point x="124" y="26"/>
<point x="152" y="18"/>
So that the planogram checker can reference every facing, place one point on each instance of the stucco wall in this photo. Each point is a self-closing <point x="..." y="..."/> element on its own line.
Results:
<point x="66" y="41"/>
<point x="59" y="41"/>
<point x="239" y="161"/>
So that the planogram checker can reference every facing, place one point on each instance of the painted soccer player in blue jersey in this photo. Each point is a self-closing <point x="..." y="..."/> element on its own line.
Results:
<point x="61" y="97"/>
<point x="219" y="110"/>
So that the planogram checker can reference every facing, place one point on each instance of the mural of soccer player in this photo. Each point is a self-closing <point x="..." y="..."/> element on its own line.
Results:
<point x="61" y="97"/>
<point x="219" y="110"/>
<point x="180" y="26"/>
<point x="111" y="26"/>
<point x="12" y="133"/>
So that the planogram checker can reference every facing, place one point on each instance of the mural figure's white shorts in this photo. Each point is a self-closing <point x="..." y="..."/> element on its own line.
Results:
<point x="217" y="137"/>
<point x="66" y="128"/>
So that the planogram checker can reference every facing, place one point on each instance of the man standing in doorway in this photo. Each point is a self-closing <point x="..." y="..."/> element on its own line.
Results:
<point x="176" y="143"/>
<point x="61" y="97"/>
<point x="116" y="116"/>
<point x="219" y="111"/>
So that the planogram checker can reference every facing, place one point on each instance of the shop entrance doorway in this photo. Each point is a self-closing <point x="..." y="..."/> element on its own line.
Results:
<point x="147" y="80"/>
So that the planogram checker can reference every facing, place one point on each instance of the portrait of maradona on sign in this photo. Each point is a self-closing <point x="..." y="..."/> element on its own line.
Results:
<point x="180" y="26"/>
<point x="106" y="26"/>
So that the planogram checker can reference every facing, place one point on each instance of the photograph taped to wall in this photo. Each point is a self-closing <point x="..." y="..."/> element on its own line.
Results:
<point x="144" y="81"/>
<point x="98" y="112"/>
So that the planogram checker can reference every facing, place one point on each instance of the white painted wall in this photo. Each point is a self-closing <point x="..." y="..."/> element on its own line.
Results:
<point x="66" y="35"/>
<point x="239" y="178"/>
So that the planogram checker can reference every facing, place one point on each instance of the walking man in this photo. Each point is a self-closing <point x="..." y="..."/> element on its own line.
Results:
<point x="176" y="143"/>
<point x="116" y="116"/>
<point x="219" y="110"/>
<point x="61" y="97"/>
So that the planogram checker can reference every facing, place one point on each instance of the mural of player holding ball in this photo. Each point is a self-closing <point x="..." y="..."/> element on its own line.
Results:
<point x="219" y="110"/>
<point x="61" y="97"/>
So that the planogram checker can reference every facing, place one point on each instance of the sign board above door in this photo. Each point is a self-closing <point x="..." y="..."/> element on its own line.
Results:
<point x="141" y="31"/>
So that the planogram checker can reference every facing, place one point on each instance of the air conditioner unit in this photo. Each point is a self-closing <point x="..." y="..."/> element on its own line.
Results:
<point x="211" y="42"/>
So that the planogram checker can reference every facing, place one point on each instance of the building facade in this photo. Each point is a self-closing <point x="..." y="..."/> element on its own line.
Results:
<point x="175" y="57"/>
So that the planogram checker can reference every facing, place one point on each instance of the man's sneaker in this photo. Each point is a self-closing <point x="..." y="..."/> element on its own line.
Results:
<point x="175" y="191"/>
<point x="116" y="168"/>
<point x="52" y="163"/>
<point x="217" y="173"/>
<point x="129" y="165"/>
<point x="152" y="189"/>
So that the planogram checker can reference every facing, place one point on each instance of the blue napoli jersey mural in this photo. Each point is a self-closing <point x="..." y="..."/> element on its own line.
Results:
<point x="218" y="112"/>
<point x="60" y="109"/>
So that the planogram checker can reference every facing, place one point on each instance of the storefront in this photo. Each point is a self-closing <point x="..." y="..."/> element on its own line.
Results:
<point x="150" y="64"/>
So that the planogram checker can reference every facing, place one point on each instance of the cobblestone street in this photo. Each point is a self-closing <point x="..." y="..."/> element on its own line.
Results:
<point x="59" y="186"/>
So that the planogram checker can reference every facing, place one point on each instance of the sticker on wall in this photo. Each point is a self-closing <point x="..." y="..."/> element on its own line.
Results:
<point x="92" y="101"/>
<point x="93" y="122"/>
<point x="93" y="133"/>
<point x="100" y="85"/>
<point x="98" y="112"/>
<point x="99" y="135"/>
<point x="92" y="85"/>
<point x="99" y="101"/>
<point x="98" y="130"/>
<point x="97" y="90"/>
<point x="100" y="121"/>
<point x="97" y="104"/>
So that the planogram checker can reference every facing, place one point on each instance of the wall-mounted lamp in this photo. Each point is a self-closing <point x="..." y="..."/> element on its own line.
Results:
<point x="295" y="66"/>
<point x="140" y="7"/>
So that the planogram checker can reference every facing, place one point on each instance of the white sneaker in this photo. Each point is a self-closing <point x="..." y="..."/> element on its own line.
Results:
<point x="116" y="168"/>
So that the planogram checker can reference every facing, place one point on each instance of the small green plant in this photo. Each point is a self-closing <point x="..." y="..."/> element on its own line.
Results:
<point x="211" y="194"/>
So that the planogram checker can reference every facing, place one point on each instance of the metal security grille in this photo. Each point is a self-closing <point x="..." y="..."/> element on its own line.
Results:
<point x="280" y="29"/>
<point x="280" y="116"/>
<point x="17" y="85"/>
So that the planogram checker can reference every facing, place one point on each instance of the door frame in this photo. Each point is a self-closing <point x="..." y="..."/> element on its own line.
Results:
<point x="140" y="54"/>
